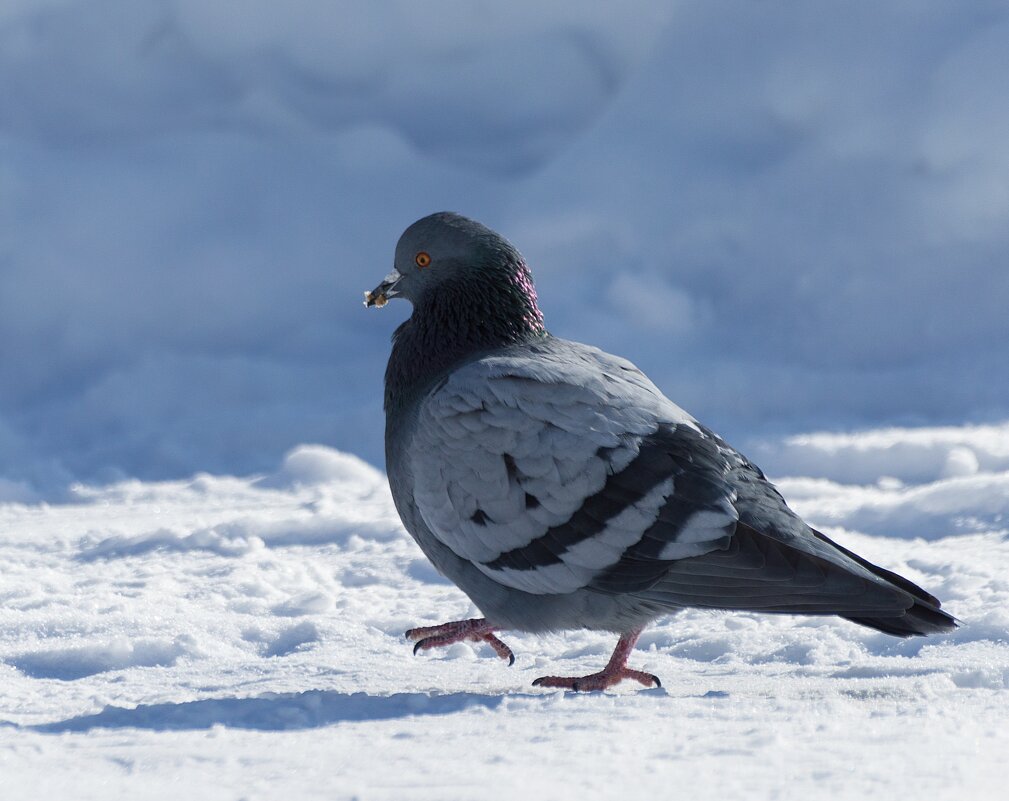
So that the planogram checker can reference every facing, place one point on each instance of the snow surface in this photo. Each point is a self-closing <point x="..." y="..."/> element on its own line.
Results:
<point x="241" y="638"/>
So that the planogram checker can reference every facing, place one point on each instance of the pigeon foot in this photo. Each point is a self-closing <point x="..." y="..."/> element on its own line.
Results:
<point x="475" y="630"/>
<point x="616" y="671"/>
<point x="596" y="682"/>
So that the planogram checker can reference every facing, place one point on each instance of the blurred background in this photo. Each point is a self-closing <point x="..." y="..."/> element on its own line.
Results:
<point x="792" y="215"/>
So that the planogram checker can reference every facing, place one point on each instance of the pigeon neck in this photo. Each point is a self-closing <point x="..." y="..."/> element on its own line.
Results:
<point x="458" y="322"/>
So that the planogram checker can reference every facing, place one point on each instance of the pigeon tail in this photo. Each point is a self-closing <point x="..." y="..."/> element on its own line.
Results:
<point x="923" y="618"/>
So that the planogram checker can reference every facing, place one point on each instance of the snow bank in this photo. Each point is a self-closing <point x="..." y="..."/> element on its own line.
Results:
<point x="194" y="195"/>
<point x="317" y="464"/>
<point x="903" y="482"/>
<point x="912" y="455"/>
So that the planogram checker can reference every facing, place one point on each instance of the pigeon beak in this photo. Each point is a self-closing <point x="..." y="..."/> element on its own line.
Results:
<point x="380" y="295"/>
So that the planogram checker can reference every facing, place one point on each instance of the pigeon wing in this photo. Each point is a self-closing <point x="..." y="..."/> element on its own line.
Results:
<point x="553" y="469"/>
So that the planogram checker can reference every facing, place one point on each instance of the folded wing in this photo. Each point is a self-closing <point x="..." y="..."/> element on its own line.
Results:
<point x="546" y="472"/>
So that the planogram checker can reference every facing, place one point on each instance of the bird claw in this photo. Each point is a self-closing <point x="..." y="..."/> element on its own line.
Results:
<point x="476" y="630"/>
<point x="616" y="671"/>
<point x="596" y="682"/>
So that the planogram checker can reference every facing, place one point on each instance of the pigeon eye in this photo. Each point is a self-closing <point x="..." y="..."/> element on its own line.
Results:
<point x="422" y="259"/>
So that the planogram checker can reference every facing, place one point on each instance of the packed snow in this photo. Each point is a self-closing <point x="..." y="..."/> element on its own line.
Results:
<point x="226" y="637"/>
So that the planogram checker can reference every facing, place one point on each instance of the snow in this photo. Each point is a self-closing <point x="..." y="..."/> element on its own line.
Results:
<point x="791" y="215"/>
<point x="224" y="637"/>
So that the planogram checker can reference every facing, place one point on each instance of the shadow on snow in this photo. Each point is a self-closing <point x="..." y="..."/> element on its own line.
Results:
<point x="272" y="711"/>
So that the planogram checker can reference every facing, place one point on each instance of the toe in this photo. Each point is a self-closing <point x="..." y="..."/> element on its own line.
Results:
<point x="553" y="681"/>
<point x="647" y="679"/>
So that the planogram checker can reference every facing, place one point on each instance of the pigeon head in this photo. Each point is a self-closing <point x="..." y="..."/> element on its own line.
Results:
<point x="450" y="258"/>
<point x="471" y="292"/>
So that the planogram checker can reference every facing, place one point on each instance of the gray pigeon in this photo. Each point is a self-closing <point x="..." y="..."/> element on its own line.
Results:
<point x="560" y="489"/>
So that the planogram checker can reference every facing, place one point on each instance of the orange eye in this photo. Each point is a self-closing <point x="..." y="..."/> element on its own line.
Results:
<point x="422" y="259"/>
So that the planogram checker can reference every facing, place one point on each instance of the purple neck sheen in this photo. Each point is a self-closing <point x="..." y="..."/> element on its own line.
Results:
<point x="532" y="317"/>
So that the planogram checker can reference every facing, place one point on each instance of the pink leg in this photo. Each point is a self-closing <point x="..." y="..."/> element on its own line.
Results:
<point x="475" y="630"/>
<point x="616" y="670"/>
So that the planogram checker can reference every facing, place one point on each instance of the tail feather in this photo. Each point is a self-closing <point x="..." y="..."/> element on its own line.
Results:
<point x="791" y="575"/>
<point x="894" y="578"/>
<point x="925" y="616"/>
<point x="917" y="621"/>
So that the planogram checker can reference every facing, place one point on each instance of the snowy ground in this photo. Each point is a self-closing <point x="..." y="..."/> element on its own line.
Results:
<point x="241" y="638"/>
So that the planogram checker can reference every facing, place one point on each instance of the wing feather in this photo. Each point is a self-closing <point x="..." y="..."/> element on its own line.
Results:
<point x="545" y="475"/>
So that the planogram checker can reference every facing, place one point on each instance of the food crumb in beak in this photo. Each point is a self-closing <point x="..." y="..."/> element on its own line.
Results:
<point x="378" y="300"/>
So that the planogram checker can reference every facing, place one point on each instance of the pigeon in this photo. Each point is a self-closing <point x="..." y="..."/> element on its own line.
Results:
<point x="559" y="489"/>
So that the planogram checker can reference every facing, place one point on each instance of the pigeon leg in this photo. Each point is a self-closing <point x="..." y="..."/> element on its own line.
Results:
<point x="616" y="670"/>
<point x="475" y="630"/>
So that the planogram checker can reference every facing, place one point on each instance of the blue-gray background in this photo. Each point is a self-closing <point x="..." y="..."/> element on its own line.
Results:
<point x="793" y="215"/>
